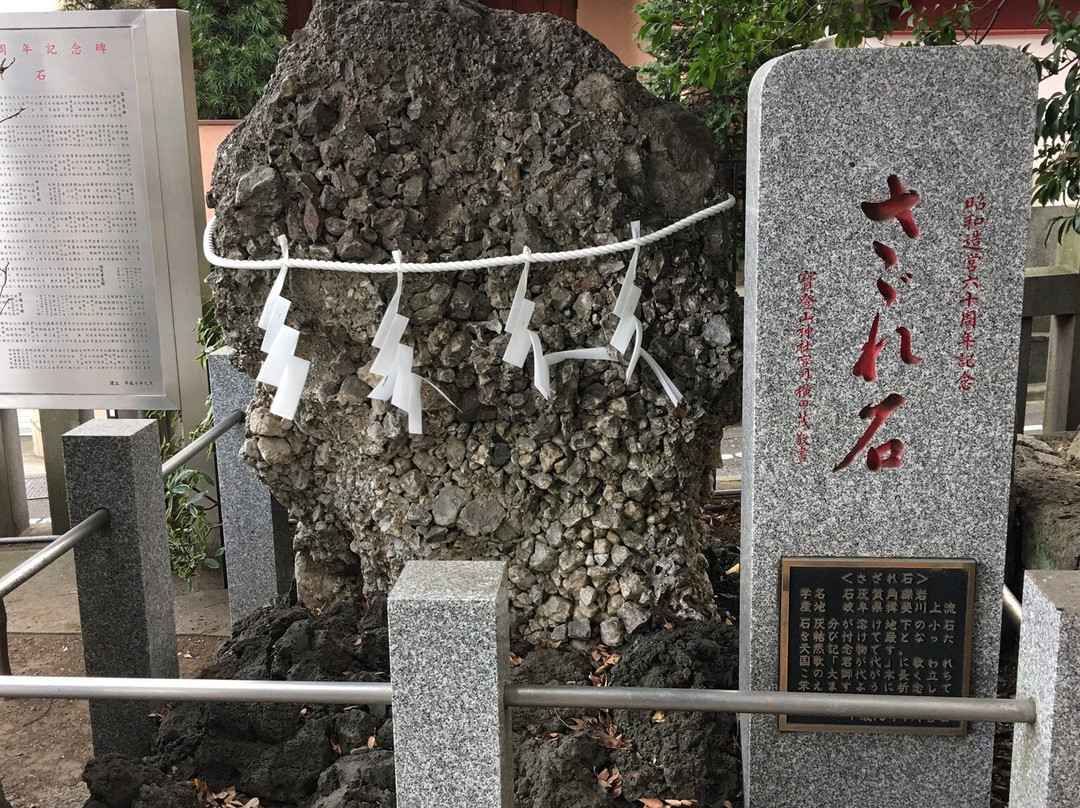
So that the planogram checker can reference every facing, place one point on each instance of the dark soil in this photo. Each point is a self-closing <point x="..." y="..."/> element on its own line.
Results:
<point x="44" y="743"/>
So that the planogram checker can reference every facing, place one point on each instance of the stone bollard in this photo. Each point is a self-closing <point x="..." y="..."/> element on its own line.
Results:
<point x="122" y="571"/>
<point x="14" y="510"/>
<point x="449" y="649"/>
<point x="254" y="526"/>
<point x="1046" y="754"/>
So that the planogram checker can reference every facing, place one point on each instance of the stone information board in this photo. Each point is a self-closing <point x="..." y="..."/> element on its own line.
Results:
<point x="885" y="253"/>
<point x="85" y="303"/>
<point x="889" y="627"/>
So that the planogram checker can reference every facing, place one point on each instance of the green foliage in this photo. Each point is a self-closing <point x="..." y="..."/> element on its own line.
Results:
<point x="208" y="332"/>
<point x="235" y="45"/>
<point x="187" y="501"/>
<point x="186" y="504"/>
<point x="1057" y="161"/>
<point x="708" y="50"/>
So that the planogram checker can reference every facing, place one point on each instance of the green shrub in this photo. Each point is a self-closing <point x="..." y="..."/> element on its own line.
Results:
<point x="708" y="50"/>
<point x="235" y="45"/>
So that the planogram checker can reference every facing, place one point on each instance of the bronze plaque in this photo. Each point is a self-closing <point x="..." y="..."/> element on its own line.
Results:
<point x="876" y="626"/>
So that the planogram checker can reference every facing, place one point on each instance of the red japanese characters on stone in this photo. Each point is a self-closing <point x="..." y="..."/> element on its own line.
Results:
<point x="866" y="364"/>
<point x="878" y="414"/>
<point x="898" y="206"/>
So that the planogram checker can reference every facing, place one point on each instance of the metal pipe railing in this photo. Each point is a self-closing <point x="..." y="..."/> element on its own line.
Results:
<point x="201" y="443"/>
<point x="74" y="687"/>
<point x="10" y="540"/>
<point x="43" y="558"/>
<point x="35" y="564"/>
<point x="1009" y="711"/>
<point x="1013" y="610"/>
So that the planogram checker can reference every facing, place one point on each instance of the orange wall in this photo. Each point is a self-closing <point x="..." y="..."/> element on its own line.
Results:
<point x="211" y="133"/>
<point x="614" y="23"/>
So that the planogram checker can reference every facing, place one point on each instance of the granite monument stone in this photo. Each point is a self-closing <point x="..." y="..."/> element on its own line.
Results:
<point x="886" y="219"/>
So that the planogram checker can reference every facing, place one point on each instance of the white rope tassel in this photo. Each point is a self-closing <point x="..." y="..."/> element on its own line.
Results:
<point x="281" y="369"/>
<point x="399" y="385"/>
<point x="630" y="326"/>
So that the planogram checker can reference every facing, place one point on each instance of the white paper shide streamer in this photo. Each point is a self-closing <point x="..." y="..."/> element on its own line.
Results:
<point x="630" y="326"/>
<point x="523" y="339"/>
<point x="394" y="362"/>
<point x="398" y="384"/>
<point x="281" y="369"/>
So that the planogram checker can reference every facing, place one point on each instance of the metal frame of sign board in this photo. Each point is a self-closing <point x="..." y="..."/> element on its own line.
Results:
<point x="166" y="94"/>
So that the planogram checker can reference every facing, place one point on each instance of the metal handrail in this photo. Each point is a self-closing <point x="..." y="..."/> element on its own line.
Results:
<point x="35" y="564"/>
<point x="98" y="519"/>
<point x="101" y="687"/>
<point x="1009" y="711"/>
<point x="850" y="705"/>
<point x="44" y="557"/>
<point x="8" y="540"/>
<point x="178" y="460"/>
<point x="1013" y="610"/>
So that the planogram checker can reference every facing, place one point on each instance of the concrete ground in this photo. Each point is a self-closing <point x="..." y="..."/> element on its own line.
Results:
<point x="48" y="604"/>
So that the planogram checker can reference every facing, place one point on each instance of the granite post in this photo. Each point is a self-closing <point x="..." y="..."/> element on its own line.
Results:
<point x="122" y="571"/>
<point x="1046" y="754"/>
<point x="449" y="647"/>
<point x="14" y="509"/>
<point x="54" y="423"/>
<point x="886" y="222"/>
<point x="254" y="526"/>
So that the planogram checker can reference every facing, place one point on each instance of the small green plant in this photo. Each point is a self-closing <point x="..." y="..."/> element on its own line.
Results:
<point x="187" y="501"/>
<point x="208" y="331"/>
<point x="235" y="45"/>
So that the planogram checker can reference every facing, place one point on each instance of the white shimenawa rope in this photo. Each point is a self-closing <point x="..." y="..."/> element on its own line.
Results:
<point x="460" y="266"/>
<point x="287" y="372"/>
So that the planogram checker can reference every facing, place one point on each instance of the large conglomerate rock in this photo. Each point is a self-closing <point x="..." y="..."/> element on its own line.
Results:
<point x="451" y="131"/>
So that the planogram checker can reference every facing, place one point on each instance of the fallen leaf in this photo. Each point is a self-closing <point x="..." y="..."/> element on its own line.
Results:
<point x="651" y="802"/>
<point x="578" y="724"/>
<point x="610" y="780"/>
<point x="515" y="660"/>
<point x="371" y="742"/>
<point x="335" y="744"/>
<point x="611" y="739"/>
<point x="658" y="717"/>
<point x="669" y="626"/>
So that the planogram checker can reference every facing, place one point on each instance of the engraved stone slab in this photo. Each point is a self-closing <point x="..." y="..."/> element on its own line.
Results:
<point x="886" y="218"/>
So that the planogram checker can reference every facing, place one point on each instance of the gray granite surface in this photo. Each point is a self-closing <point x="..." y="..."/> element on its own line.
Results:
<point x="122" y="572"/>
<point x="1046" y="754"/>
<point x="254" y="526"/>
<point x="827" y="130"/>
<point x="449" y="647"/>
